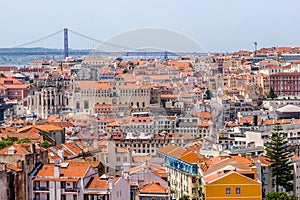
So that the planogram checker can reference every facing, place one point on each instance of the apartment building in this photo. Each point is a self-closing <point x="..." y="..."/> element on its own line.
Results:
<point x="60" y="181"/>
<point x="148" y="144"/>
<point x="184" y="171"/>
<point x="286" y="83"/>
<point x="112" y="156"/>
<point x="21" y="159"/>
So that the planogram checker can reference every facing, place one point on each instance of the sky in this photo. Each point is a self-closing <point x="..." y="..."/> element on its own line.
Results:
<point x="217" y="25"/>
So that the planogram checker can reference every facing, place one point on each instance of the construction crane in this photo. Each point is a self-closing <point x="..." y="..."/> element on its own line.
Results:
<point x="47" y="55"/>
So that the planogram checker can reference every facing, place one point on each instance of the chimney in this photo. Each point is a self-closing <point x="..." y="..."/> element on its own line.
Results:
<point x="141" y="183"/>
<point x="11" y="150"/>
<point x="110" y="182"/>
<point x="61" y="153"/>
<point x="32" y="148"/>
<point x="3" y="166"/>
<point x="254" y="170"/>
<point x="126" y="167"/>
<point x="56" y="170"/>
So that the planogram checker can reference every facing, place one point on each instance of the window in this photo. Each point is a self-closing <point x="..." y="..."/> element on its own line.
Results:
<point x="63" y="184"/>
<point x="86" y="104"/>
<point x="118" y="159"/>
<point x="37" y="184"/>
<point x="227" y="190"/>
<point x="194" y="190"/>
<point x="238" y="190"/>
<point x="37" y="196"/>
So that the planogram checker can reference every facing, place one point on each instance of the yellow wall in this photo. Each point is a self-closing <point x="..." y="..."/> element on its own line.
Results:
<point x="249" y="189"/>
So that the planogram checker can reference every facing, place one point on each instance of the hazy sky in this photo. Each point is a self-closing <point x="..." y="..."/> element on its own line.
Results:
<point x="218" y="25"/>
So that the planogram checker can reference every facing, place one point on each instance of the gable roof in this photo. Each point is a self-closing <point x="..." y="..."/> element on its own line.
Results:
<point x="226" y="163"/>
<point x="232" y="178"/>
<point x="182" y="154"/>
<point x="98" y="183"/>
<point x="153" y="188"/>
<point x="18" y="149"/>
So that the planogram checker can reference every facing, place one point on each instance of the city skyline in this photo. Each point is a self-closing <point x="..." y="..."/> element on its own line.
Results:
<point x="217" y="26"/>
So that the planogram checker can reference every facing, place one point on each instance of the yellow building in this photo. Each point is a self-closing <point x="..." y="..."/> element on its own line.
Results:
<point x="232" y="185"/>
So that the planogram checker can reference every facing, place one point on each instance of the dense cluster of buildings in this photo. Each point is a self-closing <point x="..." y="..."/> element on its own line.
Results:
<point x="151" y="128"/>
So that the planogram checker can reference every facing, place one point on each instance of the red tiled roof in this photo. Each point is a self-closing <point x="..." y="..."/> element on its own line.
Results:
<point x="154" y="188"/>
<point x="18" y="149"/>
<point x="97" y="183"/>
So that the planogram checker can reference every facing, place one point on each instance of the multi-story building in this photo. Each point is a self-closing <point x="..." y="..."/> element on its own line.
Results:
<point x="89" y="93"/>
<point x="188" y="125"/>
<point x="232" y="185"/>
<point x="296" y="177"/>
<point x="184" y="171"/>
<point x="22" y="158"/>
<point x="231" y="177"/>
<point x="13" y="88"/>
<point x="143" y="143"/>
<point x="112" y="188"/>
<point x="286" y="83"/>
<point x="49" y="132"/>
<point x="4" y="187"/>
<point x="60" y="181"/>
<point x="153" y="190"/>
<point x="112" y="156"/>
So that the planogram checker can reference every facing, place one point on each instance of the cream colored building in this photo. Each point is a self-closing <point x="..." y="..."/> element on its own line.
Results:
<point x="89" y="93"/>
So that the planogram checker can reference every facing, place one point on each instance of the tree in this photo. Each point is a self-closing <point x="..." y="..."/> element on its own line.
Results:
<point x="272" y="94"/>
<point x="279" y="153"/>
<point x="184" y="197"/>
<point x="24" y="140"/>
<point x="279" y="195"/>
<point x="207" y="94"/>
<point x="45" y="144"/>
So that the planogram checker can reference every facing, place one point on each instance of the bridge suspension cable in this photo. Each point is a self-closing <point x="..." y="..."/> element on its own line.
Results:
<point x="99" y="41"/>
<point x="39" y="40"/>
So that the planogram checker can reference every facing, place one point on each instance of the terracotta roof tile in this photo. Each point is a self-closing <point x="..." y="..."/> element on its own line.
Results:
<point x="154" y="188"/>
<point x="97" y="183"/>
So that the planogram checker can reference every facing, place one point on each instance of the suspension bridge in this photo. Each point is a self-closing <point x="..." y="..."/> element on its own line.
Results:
<point x="66" y="42"/>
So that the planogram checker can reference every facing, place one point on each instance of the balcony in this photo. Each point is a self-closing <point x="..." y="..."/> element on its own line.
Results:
<point x="69" y="190"/>
<point x="40" y="189"/>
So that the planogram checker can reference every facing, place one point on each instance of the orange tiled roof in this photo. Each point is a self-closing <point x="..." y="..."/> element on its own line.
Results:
<point x="242" y="159"/>
<point x="204" y="115"/>
<point x="264" y="161"/>
<point x="97" y="183"/>
<point x="19" y="149"/>
<point x="72" y="170"/>
<point x="153" y="188"/>
<point x="47" y="127"/>
<point x="181" y="153"/>
<point x="226" y="162"/>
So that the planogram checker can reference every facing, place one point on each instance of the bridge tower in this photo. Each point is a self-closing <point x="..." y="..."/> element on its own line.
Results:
<point x="66" y="43"/>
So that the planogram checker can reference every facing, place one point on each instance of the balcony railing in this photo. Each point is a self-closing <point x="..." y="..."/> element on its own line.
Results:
<point x="41" y="188"/>
<point x="69" y="190"/>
